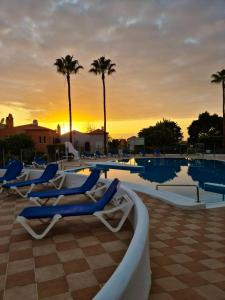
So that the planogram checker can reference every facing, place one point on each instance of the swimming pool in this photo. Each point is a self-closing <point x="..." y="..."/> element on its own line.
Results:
<point x="179" y="171"/>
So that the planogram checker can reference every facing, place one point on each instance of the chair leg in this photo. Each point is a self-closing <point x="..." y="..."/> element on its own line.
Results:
<point x="24" y="195"/>
<point x="125" y="207"/>
<point x="24" y="223"/>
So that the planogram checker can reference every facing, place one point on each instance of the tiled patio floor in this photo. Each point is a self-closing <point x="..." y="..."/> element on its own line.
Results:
<point x="187" y="250"/>
<point x="72" y="262"/>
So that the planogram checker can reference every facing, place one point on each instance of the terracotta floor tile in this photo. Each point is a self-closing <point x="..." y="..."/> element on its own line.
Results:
<point x="159" y="272"/>
<point x="181" y="258"/>
<point x="185" y="294"/>
<point x="66" y="245"/>
<point x="164" y="260"/>
<point x="81" y="280"/>
<point x="4" y="257"/>
<point x="192" y="279"/>
<point x="63" y="296"/>
<point x="93" y="250"/>
<point x="212" y="276"/>
<point x="22" y="265"/>
<point x="21" y="292"/>
<point x="176" y="269"/>
<point x="69" y="255"/>
<point x="2" y="282"/>
<point x="114" y="246"/>
<point x="103" y="274"/>
<point x="117" y="255"/>
<point x="46" y="260"/>
<point x="212" y="263"/>
<point x="4" y="248"/>
<point x="75" y="266"/>
<point x="170" y="284"/>
<point x="107" y="237"/>
<point x="161" y="296"/>
<point x="18" y="279"/>
<point x="87" y="241"/>
<point x="195" y="266"/>
<point x="3" y="267"/>
<point x="52" y="287"/>
<point x="44" y="250"/>
<point x="86" y="293"/>
<point x="20" y="254"/>
<point x="49" y="272"/>
<point x="100" y="261"/>
<point x="210" y="292"/>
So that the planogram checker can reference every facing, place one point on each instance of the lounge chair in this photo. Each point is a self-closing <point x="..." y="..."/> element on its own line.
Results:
<point x="39" y="163"/>
<point x="48" y="176"/>
<point x="89" y="187"/>
<point x="55" y="213"/>
<point x="12" y="172"/>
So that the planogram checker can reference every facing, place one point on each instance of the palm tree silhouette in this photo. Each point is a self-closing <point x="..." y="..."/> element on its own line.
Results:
<point x="66" y="66"/>
<point x="103" y="66"/>
<point x="219" y="78"/>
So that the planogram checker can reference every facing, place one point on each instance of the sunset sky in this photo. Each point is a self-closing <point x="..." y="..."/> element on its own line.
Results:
<point x="165" y="52"/>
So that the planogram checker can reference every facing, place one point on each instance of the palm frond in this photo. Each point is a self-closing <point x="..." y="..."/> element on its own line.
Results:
<point x="67" y="65"/>
<point x="218" y="77"/>
<point x="102" y="66"/>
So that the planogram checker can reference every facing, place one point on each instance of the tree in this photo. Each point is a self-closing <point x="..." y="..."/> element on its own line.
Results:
<point x="15" y="143"/>
<point x="103" y="66"/>
<point x="206" y="124"/>
<point x="164" y="133"/>
<point x="219" y="78"/>
<point x="66" y="66"/>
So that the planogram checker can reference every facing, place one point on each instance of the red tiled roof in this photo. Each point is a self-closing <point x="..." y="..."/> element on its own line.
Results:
<point x="32" y="127"/>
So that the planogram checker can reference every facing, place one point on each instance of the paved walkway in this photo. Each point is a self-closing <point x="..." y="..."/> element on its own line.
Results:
<point x="72" y="262"/>
<point x="187" y="250"/>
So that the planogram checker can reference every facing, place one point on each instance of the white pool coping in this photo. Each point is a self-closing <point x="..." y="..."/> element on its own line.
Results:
<point x="167" y="197"/>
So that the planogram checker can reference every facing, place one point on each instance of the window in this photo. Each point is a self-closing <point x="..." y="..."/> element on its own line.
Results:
<point x="44" y="139"/>
<point x="40" y="139"/>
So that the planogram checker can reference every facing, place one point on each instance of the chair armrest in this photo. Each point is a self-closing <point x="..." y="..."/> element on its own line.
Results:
<point x="24" y="176"/>
<point x="60" y="179"/>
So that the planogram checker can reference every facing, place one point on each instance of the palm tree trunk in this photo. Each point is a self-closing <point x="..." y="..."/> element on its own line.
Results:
<point x="70" y="108"/>
<point x="223" y="85"/>
<point x="104" y="108"/>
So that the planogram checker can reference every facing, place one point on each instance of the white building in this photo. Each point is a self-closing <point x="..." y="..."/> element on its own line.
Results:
<point x="86" y="142"/>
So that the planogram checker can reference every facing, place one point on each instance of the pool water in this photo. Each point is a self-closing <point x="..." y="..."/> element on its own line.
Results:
<point x="174" y="171"/>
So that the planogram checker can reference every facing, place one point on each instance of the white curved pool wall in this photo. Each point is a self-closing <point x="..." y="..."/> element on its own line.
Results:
<point x="132" y="278"/>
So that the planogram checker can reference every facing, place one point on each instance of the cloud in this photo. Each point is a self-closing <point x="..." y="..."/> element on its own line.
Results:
<point x="191" y="41"/>
<point x="165" y="51"/>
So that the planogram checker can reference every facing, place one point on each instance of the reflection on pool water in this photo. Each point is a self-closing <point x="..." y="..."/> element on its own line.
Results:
<point x="174" y="171"/>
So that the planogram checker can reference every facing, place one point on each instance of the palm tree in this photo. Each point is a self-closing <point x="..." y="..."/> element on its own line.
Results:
<point x="219" y="78"/>
<point x="103" y="66"/>
<point x="66" y="66"/>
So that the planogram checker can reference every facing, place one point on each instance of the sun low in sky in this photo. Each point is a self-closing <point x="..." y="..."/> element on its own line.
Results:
<point x="165" y="52"/>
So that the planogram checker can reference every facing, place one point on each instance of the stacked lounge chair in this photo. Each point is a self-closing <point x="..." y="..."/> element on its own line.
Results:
<point x="48" y="177"/>
<point x="89" y="187"/>
<point x="55" y="213"/>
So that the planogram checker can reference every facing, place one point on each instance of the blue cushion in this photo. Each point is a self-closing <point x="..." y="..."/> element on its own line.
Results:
<point x="71" y="210"/>
<point x="24" y="183"/>
<point x="64" y="210"/>
<point x="48" y="174"/>
<point x="13" y="170"/>
<point x="86" y="186"/>
<point x="56" y="193"/>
